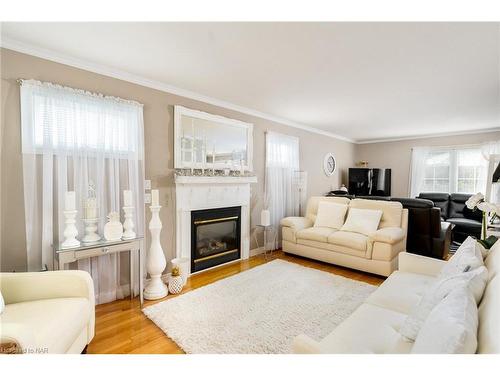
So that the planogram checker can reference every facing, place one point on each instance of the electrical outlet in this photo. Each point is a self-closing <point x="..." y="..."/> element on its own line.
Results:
<point x="147" y="198"/>
<point x="147" y="184"/>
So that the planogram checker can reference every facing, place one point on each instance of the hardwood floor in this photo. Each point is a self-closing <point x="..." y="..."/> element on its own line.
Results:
<point x="121" y="327"/>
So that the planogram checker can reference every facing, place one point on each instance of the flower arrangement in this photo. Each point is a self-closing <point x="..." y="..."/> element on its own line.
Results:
<point x="478" y="202"/>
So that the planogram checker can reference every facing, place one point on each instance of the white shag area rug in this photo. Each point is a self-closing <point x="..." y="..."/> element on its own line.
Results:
<point x="260" y="310"/>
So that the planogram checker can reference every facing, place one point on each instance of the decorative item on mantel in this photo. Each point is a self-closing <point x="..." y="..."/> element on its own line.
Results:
<point x="175" y="282"/>
<point x="70" y="231"/>
<point x="156" y="261"/>
<point x="128" y="208"/>
<point x="113" y="229"/>
<point x="211" y="173"/>
<point x="90" y="216"/>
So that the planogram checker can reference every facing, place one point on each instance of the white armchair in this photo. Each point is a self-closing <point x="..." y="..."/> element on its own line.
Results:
<point x="47" y="312"/>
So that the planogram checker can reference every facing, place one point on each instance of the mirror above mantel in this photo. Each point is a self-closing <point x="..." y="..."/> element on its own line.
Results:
<point x="206" y="141"/>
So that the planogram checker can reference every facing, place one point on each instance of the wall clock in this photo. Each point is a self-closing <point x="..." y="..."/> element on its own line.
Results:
<point x="329" y="164"/>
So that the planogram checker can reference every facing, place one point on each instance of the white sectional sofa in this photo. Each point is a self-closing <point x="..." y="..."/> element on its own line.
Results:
<point x="374" y="326"/>
<point x="375" y="253"/>
<point x="47" y="312"/>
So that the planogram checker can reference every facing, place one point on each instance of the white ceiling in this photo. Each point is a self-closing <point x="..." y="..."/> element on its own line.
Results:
<point x="362" y="81"/>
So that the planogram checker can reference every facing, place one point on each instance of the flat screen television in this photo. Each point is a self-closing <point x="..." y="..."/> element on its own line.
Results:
<point x="370" y="181"/>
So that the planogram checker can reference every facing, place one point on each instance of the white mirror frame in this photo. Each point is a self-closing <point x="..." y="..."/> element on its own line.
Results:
<point x="180" y="111"/>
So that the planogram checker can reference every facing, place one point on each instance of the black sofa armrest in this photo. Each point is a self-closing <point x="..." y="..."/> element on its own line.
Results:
<point x="441" y="244"/>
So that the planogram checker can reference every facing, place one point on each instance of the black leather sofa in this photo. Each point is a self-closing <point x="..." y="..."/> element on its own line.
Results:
<point x="453" y="210"/>
<point x="427" y="234"/>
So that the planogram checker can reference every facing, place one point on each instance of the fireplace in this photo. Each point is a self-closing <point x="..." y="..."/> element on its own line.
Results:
<point x="215" y="237"/>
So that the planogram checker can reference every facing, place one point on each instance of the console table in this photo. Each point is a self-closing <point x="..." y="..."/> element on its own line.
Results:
<point x="103" y="247"/>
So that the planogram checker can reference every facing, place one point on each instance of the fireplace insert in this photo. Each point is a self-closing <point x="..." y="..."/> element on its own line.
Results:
<point x="215" y="237"/>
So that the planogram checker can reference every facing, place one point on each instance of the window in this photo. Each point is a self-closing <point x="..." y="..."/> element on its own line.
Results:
<point x="59" y="120"/>
<point x="457" y="170"/>
<point x="437" y="172"/>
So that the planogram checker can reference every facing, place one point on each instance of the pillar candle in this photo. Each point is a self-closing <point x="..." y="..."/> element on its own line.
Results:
<point x="155" y="198"/>
<point x="91" y="208"/>
<point x="70" y="201"/>
<point x="127" y="198"/>
<point x="265" y="218"/>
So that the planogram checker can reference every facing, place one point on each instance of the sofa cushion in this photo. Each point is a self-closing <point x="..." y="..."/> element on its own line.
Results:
<point x="313" y="202"/>
<point x="392" y="212"/>
<point x="466" y="256"/>
<point x="331" y="215"/>
<point x="457" y="204"/>
<point x="401" y="291"/>
<point x="333" y="248"/>
<point x="474" y="280"/>
<point x="362" y="221"/>
<point x="476" y="215"/>
<point x="353" y="240"/>
<point x="451" y="327"/>
<point x="462" y="222"/>
<point x="369" y="330"/>
<point x="441" y="200"/>
<point x="315" y="233"/>
<point x="55" y="323"/>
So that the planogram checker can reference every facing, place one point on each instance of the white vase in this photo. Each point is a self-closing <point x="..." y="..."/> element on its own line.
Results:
<point x="183" y="264"/>
<point x="113" y="229"/>
<point x="156" y="261"/>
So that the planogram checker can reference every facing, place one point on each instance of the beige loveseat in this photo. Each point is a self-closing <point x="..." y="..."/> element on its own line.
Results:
<point x="376" y="253"/>
<point x="391" y="303"/>
<point x="47" y="312"/>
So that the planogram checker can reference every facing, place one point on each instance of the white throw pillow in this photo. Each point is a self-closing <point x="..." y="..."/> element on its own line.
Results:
<point x="2" y="303"/>
<point x="466" y="256"/>
<point x="451" y="327"/>
<point x="362" y="221"/>
<point x="474" y="281"/>
<point x="331" y="215"/>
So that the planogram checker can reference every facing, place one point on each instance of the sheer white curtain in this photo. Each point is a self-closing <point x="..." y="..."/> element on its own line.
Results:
<point x="71" y="138"/>
<point x="488" y="149"/>
<point x="417" y="170"/>
<point x="282" y="161"/>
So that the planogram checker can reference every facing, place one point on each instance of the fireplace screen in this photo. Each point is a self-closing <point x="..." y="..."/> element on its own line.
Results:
<point x="215" y="236"/>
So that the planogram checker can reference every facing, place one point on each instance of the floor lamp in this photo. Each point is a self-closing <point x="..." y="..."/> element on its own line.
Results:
<point x="300" y="182"/>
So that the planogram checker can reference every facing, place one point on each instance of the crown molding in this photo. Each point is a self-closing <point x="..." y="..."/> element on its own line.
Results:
<point x="437" y="135"/>
<point x="29" y="49"/>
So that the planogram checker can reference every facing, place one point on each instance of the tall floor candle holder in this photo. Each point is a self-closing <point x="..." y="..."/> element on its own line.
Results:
<point x="156" y="261"/>
<point x="128" y="224"/>
<point x="70" y="231"/>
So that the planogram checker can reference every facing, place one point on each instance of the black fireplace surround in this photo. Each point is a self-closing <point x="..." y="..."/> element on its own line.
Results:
<point x="215" y="237"/>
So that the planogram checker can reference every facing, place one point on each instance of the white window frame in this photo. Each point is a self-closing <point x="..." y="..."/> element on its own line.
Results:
<point x="453" y="166"/>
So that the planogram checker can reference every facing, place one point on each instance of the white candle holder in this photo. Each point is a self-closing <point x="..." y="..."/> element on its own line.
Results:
<point x="128" y="224"/>
<point x="156" y="261"/>
<point x="91" y="230"/>
<point x="70" y="231"/>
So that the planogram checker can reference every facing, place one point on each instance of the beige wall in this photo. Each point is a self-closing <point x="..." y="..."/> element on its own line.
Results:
<point x="158" y="132"/>
<point x="397" y="155"/>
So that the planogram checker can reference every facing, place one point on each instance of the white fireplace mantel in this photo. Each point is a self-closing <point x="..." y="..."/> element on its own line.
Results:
<point x="199" y="193"/>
